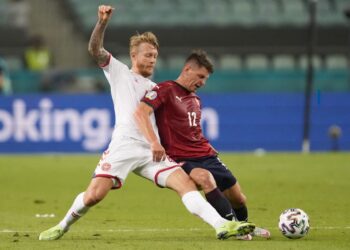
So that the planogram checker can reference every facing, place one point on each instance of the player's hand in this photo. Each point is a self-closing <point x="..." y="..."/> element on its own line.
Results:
<point x="105" y="12"/>
<point x="158" y="152"/>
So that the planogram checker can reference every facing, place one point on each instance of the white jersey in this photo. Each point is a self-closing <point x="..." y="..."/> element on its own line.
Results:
<point x="129" y="151"/>
<point x="127" y="89"/>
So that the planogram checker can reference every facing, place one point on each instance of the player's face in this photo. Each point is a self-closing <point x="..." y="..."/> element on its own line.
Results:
<point x="144" y="59"/>
<point x="196" y="77"/>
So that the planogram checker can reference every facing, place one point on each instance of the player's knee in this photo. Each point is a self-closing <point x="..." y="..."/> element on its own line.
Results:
<point x="180" y="182"/>
<point x="188" y="185"/>
<point x="97" y="190"/>
<point x="203" y="178"/>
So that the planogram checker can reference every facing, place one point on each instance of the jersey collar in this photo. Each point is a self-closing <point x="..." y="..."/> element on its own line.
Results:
<point x="178" y="84"/>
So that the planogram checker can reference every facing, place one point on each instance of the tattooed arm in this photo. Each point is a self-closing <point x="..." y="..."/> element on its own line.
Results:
<point x="96" y="49"/>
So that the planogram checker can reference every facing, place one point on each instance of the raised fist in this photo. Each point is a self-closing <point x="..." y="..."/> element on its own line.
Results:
<point x="105" y="12"/>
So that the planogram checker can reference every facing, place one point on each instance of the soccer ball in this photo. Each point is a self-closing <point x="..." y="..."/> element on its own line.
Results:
<point x="294" y="223"/>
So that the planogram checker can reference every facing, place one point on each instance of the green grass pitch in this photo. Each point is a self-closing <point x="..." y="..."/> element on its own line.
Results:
<point x="143" y="216"/>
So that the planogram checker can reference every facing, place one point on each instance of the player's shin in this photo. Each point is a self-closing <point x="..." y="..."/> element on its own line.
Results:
<point x="197" y="205"/>
<point x="77" y="210"/>
<point x="241" y="213"/>
<point x="220" y="203"/>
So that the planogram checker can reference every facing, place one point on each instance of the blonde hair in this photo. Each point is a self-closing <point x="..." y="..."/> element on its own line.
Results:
<point x="146" y="37"/>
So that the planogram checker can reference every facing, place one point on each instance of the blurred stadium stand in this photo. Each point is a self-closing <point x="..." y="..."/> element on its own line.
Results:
<point x="257" y="45"/>
<point x="217" y="13"/>
<point x="259" y="50"/>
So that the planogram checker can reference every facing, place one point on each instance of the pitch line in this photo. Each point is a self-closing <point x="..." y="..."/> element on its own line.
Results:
<point x="127" y="230"/>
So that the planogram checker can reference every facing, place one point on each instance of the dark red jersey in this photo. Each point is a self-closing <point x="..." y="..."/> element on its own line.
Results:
<point x="178" y="116"/>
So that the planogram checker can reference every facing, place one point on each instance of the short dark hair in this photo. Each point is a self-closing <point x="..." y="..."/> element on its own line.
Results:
<point x="200" y="57"/>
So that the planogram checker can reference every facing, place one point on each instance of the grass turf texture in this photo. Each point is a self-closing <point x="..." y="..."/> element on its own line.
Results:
<point x="143" y="216"/>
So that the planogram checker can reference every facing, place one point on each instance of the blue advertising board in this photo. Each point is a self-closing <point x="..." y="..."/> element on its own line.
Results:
<point x="55" y="123"/>
<point x="232" y="122"/>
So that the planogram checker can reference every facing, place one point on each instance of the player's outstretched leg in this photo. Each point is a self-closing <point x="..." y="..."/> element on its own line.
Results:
<point x="97" y="190"/>
<point x="234" y="228"/>
<point x="197" y="205"/>
<point x="77" y="210"/>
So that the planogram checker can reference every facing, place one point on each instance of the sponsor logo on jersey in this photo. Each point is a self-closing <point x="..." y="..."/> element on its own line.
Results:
<point x="179" y="98"/>
<point x="151" y="95"/>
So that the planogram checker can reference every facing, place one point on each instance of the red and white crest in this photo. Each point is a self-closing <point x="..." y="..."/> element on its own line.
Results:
<point x="106" y="166"/>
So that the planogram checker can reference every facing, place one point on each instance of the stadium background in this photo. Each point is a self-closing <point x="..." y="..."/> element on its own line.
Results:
<point x="254" y="100"/>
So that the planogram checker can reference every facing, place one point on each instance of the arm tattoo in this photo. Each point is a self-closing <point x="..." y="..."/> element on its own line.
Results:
<point x="96" y="49"/>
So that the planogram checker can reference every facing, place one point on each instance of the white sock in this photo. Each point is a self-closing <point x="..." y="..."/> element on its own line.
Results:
<point x="197" y="205"/>
<point x="77" y="210"/>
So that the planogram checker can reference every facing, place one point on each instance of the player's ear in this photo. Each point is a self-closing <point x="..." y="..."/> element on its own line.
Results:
<point x="187" y="67"/>
<point x="133" y="52"/>
<point x="132" y="56"/>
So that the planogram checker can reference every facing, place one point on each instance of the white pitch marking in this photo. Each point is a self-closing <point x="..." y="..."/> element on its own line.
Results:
<point x="117" y="230"/>
<point x="330" y="228"/>
<point x="126" y="230"/>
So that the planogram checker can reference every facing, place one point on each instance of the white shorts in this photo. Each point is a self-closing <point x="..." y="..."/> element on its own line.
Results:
<point x="125" y="155"/>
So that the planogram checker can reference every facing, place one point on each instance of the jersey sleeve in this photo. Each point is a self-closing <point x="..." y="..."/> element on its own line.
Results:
<point x="156" y="97"/>
<point x="113" y="68"/>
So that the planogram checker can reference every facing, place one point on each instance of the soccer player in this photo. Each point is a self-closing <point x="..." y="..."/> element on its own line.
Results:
<point x="128" y="150"/>
<point x="178" y="115"/>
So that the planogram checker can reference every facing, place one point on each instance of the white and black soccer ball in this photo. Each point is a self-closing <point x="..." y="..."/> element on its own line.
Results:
<point x="294" y="223"/>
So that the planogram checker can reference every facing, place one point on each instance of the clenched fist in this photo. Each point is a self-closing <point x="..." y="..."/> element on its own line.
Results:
<point x="105" y="12"/>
